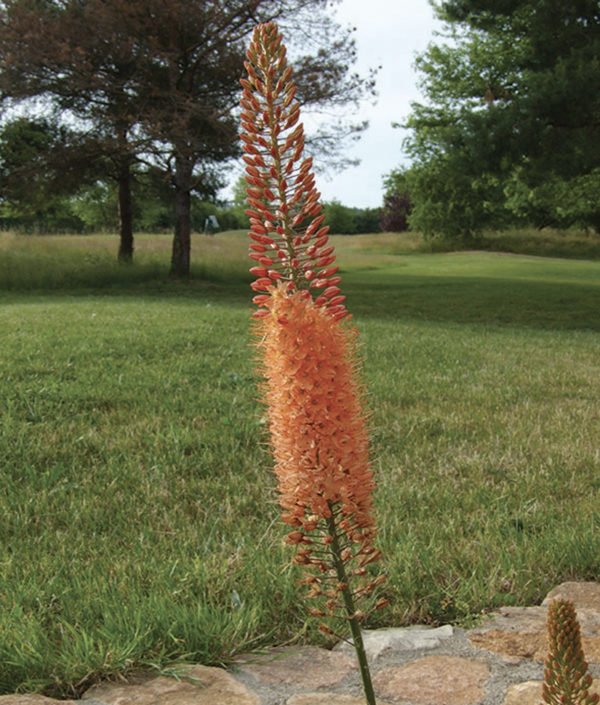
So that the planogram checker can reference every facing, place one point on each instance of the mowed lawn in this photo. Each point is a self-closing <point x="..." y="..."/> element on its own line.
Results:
<point x="139" y="518"/>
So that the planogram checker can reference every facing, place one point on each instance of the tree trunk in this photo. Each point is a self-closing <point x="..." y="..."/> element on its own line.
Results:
<point x="125" y="213"/>
<point x="180" y="257"/>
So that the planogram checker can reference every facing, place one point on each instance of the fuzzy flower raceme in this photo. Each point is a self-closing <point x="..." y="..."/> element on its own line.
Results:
<point x="318" y="432"/>
<point x="307" y="353"/>
<point x="317" y="422"/>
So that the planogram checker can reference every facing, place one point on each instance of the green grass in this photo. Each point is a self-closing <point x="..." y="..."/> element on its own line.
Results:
<point x="547" y="242"/>
<point x="139" y="518"/>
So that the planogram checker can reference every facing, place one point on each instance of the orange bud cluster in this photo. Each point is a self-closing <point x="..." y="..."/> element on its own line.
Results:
<point x="320" y="444"/>
<point x="566" y="677"/>
<point x="289" y="241"/>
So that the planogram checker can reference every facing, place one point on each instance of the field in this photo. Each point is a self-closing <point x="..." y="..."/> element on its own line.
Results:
<point x="139" y="519"/>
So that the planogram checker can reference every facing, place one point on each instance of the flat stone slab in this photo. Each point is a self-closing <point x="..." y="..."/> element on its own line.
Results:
<point x="530" y="693"/>
<point x="328" y="699"/>
<point x="514" y="633"/>
<point x="522" y="619"/>
<point x="527" y="693"/>
<point x="583" y="595"/>
<point x="378" y="641"/>
<point x="434" y="680"/>
<point x="307" y="667"/>
<point x="512" y="646"/>
<point x="533" y="619"/>
<point x="196" y="685"/>
<point x="33" y="699"/>
<point x="520" y="633"/>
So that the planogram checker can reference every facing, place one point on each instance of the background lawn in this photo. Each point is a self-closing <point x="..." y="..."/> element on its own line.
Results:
<point x="139" y="519"/>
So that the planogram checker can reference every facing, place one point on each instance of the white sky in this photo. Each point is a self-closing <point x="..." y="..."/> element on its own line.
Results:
<point x="388" y="34"/>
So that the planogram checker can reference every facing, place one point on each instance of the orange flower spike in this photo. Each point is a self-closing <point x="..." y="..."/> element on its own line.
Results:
<point x="566" y="677"/>
<point x="316" y="419"/>
<point x="282" y="197"/>
<point x="314" y="399"/>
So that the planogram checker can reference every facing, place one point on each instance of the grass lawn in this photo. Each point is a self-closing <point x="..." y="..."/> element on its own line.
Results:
<point x="139" y="520"/>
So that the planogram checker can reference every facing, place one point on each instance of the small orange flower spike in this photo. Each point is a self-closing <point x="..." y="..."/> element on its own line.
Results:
<point x="566" y="677"/>
<point x="289" y="241"/>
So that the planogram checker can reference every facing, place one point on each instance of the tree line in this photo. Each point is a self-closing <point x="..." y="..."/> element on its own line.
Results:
<point x="93" y="207"/>
<point x="508" y="131"/>
<point x="142" y="95"/>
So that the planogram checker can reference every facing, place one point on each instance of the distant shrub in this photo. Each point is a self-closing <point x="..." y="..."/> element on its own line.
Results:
<point x="367" y="220"/>
<point x="343" y="220"/>
<point x="396" y="202"/>
<point x="395" y="212"/>
<point x="339" y="218"/>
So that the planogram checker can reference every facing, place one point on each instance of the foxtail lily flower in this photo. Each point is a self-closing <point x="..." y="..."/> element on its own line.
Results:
<point x="566" y="677"/>
<point x="307" y="354"/>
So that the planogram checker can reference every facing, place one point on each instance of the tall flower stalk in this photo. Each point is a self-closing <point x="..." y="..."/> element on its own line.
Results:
<point x="566" y="677"/>
<point x="307" y="352"/>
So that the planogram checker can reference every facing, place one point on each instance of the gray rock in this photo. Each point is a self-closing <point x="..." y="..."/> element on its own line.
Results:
<point x="379" y="641"/>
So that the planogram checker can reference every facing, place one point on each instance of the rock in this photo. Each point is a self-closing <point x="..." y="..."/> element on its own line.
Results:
<point x="523" y="619"/>
<point x="530" y="693"/>
<point x="327" y="699"/>
<point x="33" y="699"/>
<point x="196" y="685"/>
<point x="513" y="646"/>
<point x="519" y="633"/>
<point x="527" y="693"/>
<point x="586" y="598"/>
<point x="591" y="649"/>
<point x="514" y="633"/>
<point x="583" y="595"/>
<point x="378" y="641"/>
<point x="435" y="680"/>
<point x="302" y="667"/>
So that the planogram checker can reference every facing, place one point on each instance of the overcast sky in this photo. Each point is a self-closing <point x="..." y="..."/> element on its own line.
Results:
<point x="388" y="34"/>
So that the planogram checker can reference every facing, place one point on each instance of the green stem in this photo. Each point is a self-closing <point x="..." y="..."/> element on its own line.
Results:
<point x="359" y="646"/>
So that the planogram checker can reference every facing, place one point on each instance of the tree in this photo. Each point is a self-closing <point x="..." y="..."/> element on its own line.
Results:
<point x="513" y="105"/>
<point x="41" y="165"/>
<point x="339" y="218"/>
<point x="396" y="202"/>
<point x="194" y="86"/>
<point x="48" y="51"/>
<point x="160" y="81"/>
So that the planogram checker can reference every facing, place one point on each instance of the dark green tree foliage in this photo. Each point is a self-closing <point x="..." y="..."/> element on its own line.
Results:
<point x="48" y="50"/>
<point x="508" y="131"/>
<point x="396" y="202"/>
<point x="41" y="165"/>
<point x="157" y="82"/>
<point x="367" y="220"/>
<point x="344" y="220"/>
<point x="339" y="218"/>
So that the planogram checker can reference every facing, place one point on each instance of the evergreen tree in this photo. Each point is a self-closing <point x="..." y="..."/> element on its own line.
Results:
<point x="508" y="127"/>
<point x="159" y="81"/>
